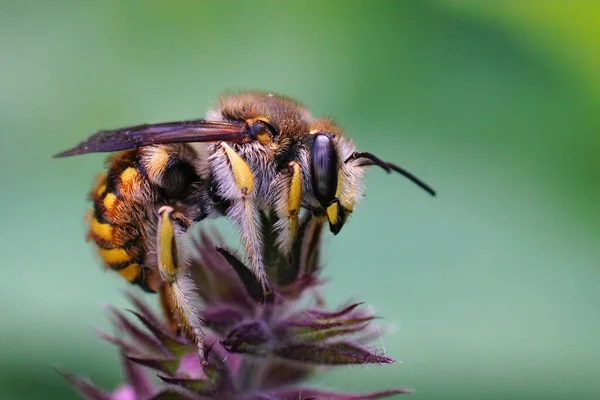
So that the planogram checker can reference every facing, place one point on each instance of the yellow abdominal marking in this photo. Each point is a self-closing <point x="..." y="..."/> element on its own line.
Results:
<point x="242" y="174"/>
<point x="109" y="200"/>
<point x="115" y="256"/>
<point x="101" y="190"/>
<point x="128" y="175"/>
<point x="158" y="161"/>
<point x="103" y="231"/>
<point x="167" y="266"/>
<point x="131" y="272"/>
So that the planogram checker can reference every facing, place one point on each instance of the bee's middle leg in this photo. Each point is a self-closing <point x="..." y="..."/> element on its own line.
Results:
<point x="286" y="193"/>
<point x="235" y="182"/>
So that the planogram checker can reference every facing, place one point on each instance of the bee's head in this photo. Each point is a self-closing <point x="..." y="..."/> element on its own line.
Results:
<point x="336" y="185"/>
<point x="336" y="171"/>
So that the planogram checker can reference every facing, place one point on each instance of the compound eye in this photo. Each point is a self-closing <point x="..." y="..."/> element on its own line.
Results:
<point x="324" y="169"/>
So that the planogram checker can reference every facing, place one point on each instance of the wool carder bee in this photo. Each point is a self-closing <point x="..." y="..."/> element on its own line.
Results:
<point x="254" y="152"/>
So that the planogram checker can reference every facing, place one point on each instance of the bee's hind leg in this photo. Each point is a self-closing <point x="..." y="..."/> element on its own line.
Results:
<point x="173" y="265"/>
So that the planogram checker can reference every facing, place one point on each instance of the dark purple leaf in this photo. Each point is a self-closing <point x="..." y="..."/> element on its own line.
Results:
<point x="249" y="337"/>
<point x="137" y="378"/>
<point x="143" y="308"/>
<point x="250" y="282"/>
<point x="84" y="386"/>
<point x="222" y="317"/>
<point x="332" y="354"/>
<point x="166" y="365"/>
<point x="320" y="333"/>
<point x="328" y="315"/>
<point x="307" y="393"/>
<point x="177" y="346"/>
<point x="148" y="343"/>
<point x="176" y="393"/>
<point x="122" y="344"/>
<point x="307" y="246"/>
<point x="216" y="281"/>
<point x="281" y="373"/>
<point x="201" y="386"/>
<point x="298" y="288"/>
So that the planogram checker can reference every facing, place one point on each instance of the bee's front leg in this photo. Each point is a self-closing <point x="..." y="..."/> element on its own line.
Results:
<point x="235" y="182"/>
<point x="173" y="266"/>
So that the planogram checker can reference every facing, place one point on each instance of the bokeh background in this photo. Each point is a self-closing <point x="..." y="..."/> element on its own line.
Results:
<point x="493" y="287"/>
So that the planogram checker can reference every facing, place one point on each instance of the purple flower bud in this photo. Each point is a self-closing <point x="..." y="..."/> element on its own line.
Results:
<point x="256" y="345"/>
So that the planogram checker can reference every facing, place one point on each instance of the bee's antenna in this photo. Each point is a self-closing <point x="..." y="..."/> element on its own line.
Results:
<point x="371" y="159"/>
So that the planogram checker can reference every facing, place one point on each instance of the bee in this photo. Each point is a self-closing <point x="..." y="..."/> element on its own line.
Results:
<point x="254" y="152"/>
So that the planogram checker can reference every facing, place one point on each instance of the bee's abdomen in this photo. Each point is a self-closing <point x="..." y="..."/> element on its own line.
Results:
<point x="126" y="200"/>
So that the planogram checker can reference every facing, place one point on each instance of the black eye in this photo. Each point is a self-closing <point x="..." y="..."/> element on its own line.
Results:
<point x="324" y="169"/>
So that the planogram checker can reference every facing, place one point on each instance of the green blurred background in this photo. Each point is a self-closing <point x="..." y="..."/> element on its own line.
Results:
<point x="493" y="287"/>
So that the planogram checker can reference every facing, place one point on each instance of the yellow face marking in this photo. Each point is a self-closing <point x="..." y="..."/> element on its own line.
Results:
<point x="101" y="190"/>
<point x="131" y="272"/>
<point x="109" y="200"/>
<point x="128" y="176"/>
<point x="242" y="174"/>
<point x="333" y="213"/>
<point x="101" y="230"/>
<point x="167" y="266"/>
<point x="115" y="256"/>
<point x="313" y="131"/>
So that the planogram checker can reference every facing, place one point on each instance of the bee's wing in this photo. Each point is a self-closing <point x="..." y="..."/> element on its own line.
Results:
<point x="168" y="132"/>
